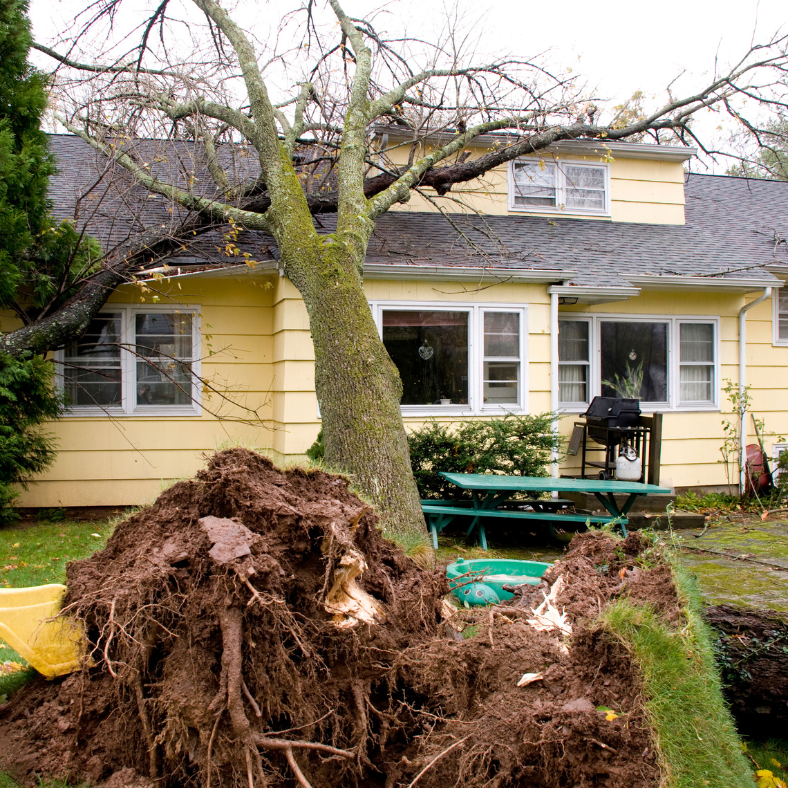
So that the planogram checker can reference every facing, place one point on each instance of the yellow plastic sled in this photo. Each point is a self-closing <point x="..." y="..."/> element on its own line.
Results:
<point x="52" y="647"/>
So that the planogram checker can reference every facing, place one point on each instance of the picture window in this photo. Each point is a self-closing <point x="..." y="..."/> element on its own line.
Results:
<point x="466" y="359"/>
<point x="670" y="363"/>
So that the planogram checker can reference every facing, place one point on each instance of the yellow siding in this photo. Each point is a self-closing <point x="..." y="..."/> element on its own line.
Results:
<point x="125" y="460"/>
<point x="641" y="190"/>
<point x="295" y="421"/>
<point x="263" y="358"/>
<point x="692" y="441"/>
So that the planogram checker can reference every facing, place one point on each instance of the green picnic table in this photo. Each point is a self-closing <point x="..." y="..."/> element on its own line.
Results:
<point x="491" y="490"/>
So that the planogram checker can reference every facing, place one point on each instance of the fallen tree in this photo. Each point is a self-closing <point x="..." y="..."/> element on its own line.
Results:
<point x="345" y="79"/>
<point x="252" y="627"/>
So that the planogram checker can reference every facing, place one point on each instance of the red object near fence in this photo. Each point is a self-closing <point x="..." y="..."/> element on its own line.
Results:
<point x="759" y="478"/>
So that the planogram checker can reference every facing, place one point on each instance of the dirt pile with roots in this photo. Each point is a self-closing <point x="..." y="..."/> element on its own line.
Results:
<point x="253" y="628"/>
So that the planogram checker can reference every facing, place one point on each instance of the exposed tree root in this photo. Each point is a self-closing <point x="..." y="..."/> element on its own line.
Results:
<point x="253" y="628"/>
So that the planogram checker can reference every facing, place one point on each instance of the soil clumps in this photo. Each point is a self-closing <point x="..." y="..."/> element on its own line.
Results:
<point x="253" y="628"/>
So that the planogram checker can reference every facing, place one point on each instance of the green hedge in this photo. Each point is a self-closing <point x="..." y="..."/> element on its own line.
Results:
<point x="515" y="445"/>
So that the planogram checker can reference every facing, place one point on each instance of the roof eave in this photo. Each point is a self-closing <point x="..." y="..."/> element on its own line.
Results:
<point x="465" y="273"/>
<point x="780" y="270"/>
<point x="584" y="147"/>
<point x="694" y="284"/>
<point x="165" y="272"/>
<point x="593" y="295"/>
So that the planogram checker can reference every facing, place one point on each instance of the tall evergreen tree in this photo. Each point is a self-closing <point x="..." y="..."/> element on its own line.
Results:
<point x="25" y="163"/>
<point x="36" y="255"/>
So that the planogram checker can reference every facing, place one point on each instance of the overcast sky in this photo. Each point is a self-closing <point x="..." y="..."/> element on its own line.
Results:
<point x="618" y="48"/>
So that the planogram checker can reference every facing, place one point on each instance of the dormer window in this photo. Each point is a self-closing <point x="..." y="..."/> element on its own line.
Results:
<point x="559" y="187"/>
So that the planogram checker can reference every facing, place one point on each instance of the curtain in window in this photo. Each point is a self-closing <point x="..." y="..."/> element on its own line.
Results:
<point x="696" y="384"/>
<point x="782" y="314"/>
<point x="573" y="346"/>
<point x="696" y="380"/>
<point x="534" y="184"/>
<point x="572" y="340"/>
<point x="572" y="383"/>
<point x="585" y="187"/>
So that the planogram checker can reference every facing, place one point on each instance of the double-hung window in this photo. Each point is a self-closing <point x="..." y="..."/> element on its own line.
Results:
<point x="559" y="186"/>
<point x="456" y="358"/>
<point x="574" y="365"/>
<point x="670" y="363"/>
<point x="780" y="299"/>
<point x="134" y="361"/>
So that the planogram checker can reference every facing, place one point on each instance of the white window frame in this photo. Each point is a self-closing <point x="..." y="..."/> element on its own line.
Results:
<point x="777" y="341"/>
<point x="673" y="360"/>
<point x="128" y="365"/>
<point x="777" y="450"/>
<point x="589" y="364"/>
<point x="475" y="406"/>
<point x="560" y="208"/>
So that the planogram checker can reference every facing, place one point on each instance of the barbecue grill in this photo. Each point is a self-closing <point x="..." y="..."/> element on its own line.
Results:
<point x="606" y="415"/>
<point x="609" y="421"/>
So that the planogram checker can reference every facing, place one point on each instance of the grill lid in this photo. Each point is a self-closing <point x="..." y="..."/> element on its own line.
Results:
<point x="616" y="411"/>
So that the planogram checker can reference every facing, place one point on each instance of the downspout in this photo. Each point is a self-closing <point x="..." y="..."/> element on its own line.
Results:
<point x="743" y="381"/>
<point x="554" y="375"/>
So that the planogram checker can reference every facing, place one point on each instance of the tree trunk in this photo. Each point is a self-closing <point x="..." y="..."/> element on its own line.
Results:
<point x="358" y="387"/>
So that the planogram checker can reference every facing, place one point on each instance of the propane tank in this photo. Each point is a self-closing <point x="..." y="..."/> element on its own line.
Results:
<point x="629" y="466"/>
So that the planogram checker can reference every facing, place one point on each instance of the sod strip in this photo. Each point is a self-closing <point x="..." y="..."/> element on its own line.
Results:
<point x="694" y="731"/>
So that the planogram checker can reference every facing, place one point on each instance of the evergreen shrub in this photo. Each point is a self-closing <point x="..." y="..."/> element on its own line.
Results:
<point x="513" y="445"/>
<point x="26" y="399"/>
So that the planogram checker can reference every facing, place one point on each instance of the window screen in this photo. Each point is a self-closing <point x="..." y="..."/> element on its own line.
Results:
<point x="535" y="184"/>
<point x="164" y="358"/>
<point x="501" y="358"/>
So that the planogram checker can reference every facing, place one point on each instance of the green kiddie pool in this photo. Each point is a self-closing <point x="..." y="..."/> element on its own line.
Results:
<point x="481" y="580"/>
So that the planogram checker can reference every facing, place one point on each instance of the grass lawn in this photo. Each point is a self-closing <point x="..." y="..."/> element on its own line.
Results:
<point x="35" y="554"/>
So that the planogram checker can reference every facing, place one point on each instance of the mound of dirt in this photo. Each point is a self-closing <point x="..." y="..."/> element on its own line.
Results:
<point x="254" y="628"/>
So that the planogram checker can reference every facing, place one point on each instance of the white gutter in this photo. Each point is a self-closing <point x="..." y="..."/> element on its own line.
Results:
<point x="743" y="381"/>
<point x="554" y="375"/>
<point x="586" y="146"/>
<point x="168" y="272"/>
<point x="696" y="283"/>
<point x="465" y="273"/>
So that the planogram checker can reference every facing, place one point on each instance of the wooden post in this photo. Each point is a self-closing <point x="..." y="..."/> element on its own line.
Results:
<point x="654" y="447"/>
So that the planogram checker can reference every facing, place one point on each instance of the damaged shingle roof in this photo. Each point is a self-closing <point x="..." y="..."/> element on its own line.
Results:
<point x="733" y="226"/>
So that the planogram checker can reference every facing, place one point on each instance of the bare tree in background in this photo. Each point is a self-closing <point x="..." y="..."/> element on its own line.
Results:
<point x="286" y="129"/>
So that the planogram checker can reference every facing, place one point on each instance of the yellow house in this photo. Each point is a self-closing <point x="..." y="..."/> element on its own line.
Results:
<point x="566" y="275"/>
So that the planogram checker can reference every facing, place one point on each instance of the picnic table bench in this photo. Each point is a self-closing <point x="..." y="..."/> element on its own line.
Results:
<point x="489" y="491"/>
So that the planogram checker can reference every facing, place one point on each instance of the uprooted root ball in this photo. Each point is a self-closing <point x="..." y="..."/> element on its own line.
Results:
<point x="254" y="628"/>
